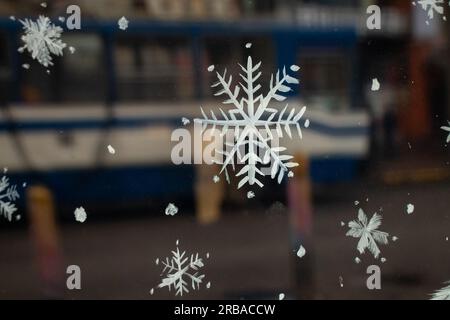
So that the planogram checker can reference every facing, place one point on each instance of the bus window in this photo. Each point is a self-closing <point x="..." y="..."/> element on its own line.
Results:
<point x="158" y="69"/>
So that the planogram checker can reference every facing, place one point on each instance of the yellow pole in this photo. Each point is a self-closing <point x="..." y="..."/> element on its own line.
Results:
<point x="46" y="241"/>
<point x="209" y="195"/>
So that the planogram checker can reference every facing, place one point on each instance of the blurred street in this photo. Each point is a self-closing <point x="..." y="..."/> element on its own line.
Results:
<point x="249" y="251"/>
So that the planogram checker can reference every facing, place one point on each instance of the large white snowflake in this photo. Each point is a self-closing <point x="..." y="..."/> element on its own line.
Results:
<point x="442" y="294"/>
<point x="432" y="6"/>
<point x="42" y="39"/>
<point x="448" y="130"/>
<point x="180" y="268"/>
<point x="367" y="233"/>
<point x="8" y="193"/>
<point x="253" y="119"/>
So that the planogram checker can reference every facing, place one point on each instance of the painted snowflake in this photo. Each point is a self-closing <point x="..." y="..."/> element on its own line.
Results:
<point x="432" y="7"/>
<point x="179" y="269"/>
<point x="254" y="123"/>
<point x="448" y="130"/>
<point x="366" y="231"/>
<point x="42" y="40"/>
<point x="442" y="294"/>
<point x="10" y="194"/>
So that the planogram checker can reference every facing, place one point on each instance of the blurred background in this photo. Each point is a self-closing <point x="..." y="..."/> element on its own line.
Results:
<point x="376" y="150"/>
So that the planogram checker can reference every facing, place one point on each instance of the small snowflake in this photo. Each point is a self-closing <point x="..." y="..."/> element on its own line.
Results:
<point x="80" y="214"/>
<point x="180" y="267"/>
<point x="375" y="85"/>
<point x="410" y="208"/>
<point x="442" y="294"/>
<point x="432" y="6"/>
<point x="367" y="233"/>
<point x="301" y="252"/>
<point x="123" y="23"/>
<point x="252" y="120"/>
<point x="171" y="210"/>
<point x="42" y="39"/>
<point x="10" y="193"/>
<point x="185" y="121"/>
<point x="448" y="130"/>
<point x="111" y="149"/>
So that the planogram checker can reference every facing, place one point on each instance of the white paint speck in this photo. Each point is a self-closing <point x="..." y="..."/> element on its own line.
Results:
<point x="211" y="68"/>
<point x="171" y="210"/>
<point x="185" y="121"/>
<point x="111" y="150"/>
<point x="250" y="194"/>
<point x="375" y="85"/>
<point x="208" y="285"/>
<point x="341" y="281"/>
<point x="72" y="50"/>
<point x="123" y="23"/>
<point x="357" y="260"/>
<point x="80" y="214"/>
<point x="26" y="66"/>
<point x="307" y="123"/>
<point x="394" y="238"/>
<point x="410" y="209"/>
<point x="383" y="260"/>
<point x="301" y="252"/>
<point x="295" y="68"/>
<point x="281" y="296"/>
<point x="248" y="45"/>
<point x="216" y="179"/>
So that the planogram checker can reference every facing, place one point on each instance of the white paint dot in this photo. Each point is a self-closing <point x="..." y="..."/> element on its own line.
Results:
<point x="301" y="252"/>
<point x="410" y="209"/>
<point x="111" y="150"/>
<point x="375" y="85"/>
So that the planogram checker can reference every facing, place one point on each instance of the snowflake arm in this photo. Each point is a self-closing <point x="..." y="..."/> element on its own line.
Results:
<point x="442" y="294"/>
<point x="432" y="6"/>
<point x="448" y="130"/>
<point x="7" y="208"/>
<point x="280" y="86"/>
